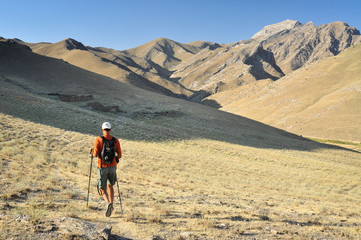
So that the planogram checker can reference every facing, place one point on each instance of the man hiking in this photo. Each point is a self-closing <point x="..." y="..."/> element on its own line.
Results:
<point x="107" y="149"/>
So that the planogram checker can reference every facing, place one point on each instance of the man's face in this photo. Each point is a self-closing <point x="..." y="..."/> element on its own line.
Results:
<point x="106" y="131"/>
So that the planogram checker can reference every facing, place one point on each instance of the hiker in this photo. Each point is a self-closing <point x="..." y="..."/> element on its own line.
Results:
<point x="107" y="149"/>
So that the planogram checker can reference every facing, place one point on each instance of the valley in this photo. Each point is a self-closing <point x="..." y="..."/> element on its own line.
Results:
<point x="220" y="141"/>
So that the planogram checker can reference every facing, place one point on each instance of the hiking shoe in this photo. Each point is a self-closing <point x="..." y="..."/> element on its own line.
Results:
<point x="109" y="210"/>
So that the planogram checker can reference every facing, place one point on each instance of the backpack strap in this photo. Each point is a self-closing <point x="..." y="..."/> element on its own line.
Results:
<point x="101" y="161"/>
<point x="113" y="140"/>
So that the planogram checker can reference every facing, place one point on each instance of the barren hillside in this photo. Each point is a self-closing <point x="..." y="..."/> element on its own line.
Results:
<point x="196" y="70"/>
<point x="319" y="100"/>
<point x="227" y="67"/>
<point x="110" y="63"/>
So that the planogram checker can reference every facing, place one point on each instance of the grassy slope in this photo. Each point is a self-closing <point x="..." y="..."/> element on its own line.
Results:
<point x="200" y="173"/>
<point x="172" y="184"/>
<point x="320" y="100"/>
<point x="208" y="188"/>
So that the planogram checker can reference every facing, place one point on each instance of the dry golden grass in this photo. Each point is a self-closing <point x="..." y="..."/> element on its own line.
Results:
<point x="196" y="188"/>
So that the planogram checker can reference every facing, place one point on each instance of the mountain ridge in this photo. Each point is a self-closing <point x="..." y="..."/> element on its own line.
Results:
<point x="198" y="70"/>
<point x="30" y="90"/>
<point x="179" y="70"/>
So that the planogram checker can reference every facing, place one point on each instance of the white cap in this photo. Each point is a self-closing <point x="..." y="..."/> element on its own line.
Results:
<point x="106" y="125"/>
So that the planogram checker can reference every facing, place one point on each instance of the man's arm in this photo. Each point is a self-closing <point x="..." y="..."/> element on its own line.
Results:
<point x="96" y="152"/>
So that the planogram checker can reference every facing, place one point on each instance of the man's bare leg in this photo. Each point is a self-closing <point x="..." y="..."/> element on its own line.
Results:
<point x="105" y="195"/>
<point x="111" y="193"/>
<point x="108" y="200"/>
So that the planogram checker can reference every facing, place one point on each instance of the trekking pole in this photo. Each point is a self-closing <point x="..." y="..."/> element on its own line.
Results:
<point x="90" y="175"/>
<point x="120" y="200"/>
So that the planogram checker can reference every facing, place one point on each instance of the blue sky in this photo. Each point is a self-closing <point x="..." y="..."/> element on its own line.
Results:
<point x="125" y="24"/>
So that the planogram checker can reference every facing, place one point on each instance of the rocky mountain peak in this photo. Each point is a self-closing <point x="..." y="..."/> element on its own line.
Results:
<point x="308" y="43"/>
<point x="14" y="43"/>
<point x="273" y="29"/>
<point x="71" y="44"/>
<point x="340" y="28"/>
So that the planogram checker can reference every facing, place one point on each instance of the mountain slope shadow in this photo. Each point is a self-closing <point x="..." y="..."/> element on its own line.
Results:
<point x="155" y="125"/>
<point x="27" y="80"/>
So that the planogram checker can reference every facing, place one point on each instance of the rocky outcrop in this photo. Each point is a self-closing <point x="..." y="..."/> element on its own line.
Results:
<point x="100" y="107"/>
<point x="301" y="44"/>
<point x="154" y="114"/>
<point x="263" y="64"/>
<point x="72" y="98"/>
